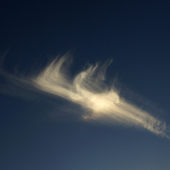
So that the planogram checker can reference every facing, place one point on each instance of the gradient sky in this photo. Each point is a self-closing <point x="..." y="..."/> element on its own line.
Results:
<point x="40" y="131"/>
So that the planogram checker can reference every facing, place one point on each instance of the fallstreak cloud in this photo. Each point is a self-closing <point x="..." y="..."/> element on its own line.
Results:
<point x="88" y="90"/>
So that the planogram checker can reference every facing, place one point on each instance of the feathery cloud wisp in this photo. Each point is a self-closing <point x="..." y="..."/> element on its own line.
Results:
<point x="89" y="91"/>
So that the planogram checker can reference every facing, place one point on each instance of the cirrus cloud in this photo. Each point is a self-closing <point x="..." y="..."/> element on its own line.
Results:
<point x="89" y="90"/>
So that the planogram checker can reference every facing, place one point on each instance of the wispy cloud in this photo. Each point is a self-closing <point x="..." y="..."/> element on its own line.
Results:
<point x="88" y="90"/>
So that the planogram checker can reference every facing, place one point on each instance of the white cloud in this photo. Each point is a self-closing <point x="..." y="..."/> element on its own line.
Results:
<point x="88" y="90"/>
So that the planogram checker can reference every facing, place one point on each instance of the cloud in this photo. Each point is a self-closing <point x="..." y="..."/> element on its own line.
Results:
<point x="89" y="90"/>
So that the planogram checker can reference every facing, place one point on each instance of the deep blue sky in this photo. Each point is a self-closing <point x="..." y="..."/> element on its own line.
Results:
<point x="134" y="33"/>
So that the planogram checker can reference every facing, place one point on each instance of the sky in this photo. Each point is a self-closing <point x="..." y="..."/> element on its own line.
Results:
<point x="84" y="85"/>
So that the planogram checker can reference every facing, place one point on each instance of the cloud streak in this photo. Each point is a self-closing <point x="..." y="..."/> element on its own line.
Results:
<point x="89" y="90"/>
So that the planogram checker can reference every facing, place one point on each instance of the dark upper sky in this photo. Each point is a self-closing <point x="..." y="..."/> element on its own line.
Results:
<point x="134" y="33"/>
